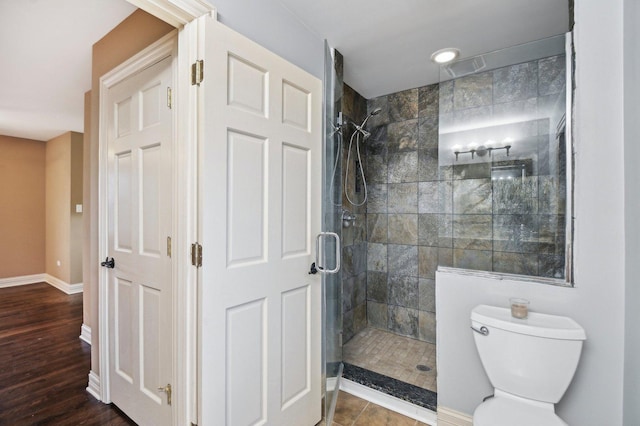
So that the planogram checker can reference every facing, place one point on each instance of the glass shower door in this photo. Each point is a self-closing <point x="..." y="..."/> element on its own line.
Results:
<point x="331" y="217"/>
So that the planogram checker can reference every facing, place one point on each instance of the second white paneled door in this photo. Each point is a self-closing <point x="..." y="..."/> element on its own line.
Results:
<point x="139" y="219"/>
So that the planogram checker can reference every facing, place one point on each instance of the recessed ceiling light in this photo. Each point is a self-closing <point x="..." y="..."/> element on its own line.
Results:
<point x="443" y="56"/>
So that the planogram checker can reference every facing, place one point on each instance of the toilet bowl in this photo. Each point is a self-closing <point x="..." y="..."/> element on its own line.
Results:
<point x="530" y="363"/>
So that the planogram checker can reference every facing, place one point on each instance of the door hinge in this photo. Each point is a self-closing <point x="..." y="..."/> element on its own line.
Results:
<point x="169" y="97"/>
<point x="169" y="246"/>
<point x="196" y="255"/>
<point x="197" y="72"/>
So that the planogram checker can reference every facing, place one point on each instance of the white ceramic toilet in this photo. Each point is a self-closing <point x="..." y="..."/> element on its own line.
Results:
<point x="530" y="363"/>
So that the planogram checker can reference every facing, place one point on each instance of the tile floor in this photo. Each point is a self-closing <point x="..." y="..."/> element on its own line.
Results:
<point x="354" y="411"/>
<point x="394" y="356"/>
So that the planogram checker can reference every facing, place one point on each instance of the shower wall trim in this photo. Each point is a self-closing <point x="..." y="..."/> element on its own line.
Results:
<point x="389" y="402"/>
<point x="504" y="276"/>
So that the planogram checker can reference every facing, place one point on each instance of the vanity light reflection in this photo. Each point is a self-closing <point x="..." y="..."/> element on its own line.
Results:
<point x="482" y="150"/>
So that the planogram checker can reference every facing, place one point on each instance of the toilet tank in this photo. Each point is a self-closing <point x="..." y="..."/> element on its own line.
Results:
<point x="534" y="358"/>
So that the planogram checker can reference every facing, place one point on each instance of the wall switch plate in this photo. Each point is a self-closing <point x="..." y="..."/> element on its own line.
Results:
<point x="78" y="208"/>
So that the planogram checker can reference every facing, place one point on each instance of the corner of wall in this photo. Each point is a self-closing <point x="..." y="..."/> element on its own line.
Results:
<point x="57" y="202"/>
<point x="22" y="246"/>
<point x="86" y="203"/>
<point x="75" y="208"/>
<point x="94" y="386"/>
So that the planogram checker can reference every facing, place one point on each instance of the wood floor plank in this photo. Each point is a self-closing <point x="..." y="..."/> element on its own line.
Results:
<point x="43" y="364"/>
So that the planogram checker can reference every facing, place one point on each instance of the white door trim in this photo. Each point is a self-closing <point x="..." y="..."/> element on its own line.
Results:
<point x="163" y="48"/>
<point x="174" y="12"/>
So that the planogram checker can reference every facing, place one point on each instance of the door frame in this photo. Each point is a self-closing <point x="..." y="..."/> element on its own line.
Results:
<point x="180" y="14"/>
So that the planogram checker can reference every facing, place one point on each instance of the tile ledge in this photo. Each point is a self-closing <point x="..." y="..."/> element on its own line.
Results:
<point x="501" y="276"/>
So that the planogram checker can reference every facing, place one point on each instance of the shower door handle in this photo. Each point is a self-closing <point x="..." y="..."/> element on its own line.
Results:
<point x="323" y="268"/>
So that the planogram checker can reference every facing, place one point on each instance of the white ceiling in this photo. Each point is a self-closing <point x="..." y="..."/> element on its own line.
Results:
<point x="45" y="46"/>
<point x="387" y="44"/>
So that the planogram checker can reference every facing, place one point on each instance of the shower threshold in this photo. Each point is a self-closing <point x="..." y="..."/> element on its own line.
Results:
<point x="421" y="397"/>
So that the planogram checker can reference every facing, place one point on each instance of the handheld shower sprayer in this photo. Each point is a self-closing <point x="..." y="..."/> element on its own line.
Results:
<point x="360" y="128"/>
<point x="371" y="114"/>
<point x="360" y="131"/>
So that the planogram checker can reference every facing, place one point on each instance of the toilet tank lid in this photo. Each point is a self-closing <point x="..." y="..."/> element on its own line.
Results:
<point x="537" y="324"/>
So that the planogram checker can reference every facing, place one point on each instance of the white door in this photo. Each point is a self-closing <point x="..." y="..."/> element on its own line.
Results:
<point x="139" y="139"/>
<point x="260" y="192"/>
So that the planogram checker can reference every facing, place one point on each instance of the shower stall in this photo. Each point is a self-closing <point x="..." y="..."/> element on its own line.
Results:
<point x="470" y="172"/>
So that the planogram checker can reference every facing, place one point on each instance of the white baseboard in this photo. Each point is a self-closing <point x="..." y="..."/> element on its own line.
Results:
<point x="23" y="280"/>
<point x="85" y="333"/>
<point x="63" y="286"/>
<point x="38" y="278"/>
<point x="389" y="402"/>
<point x="449" y="417"/>
<point x="94" y="385"/>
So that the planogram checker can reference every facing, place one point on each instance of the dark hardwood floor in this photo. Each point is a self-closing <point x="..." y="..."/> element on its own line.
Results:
<point x="43" y="364"/>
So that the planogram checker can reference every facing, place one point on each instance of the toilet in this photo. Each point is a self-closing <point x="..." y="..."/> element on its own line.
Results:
<point x="530" y="363"/>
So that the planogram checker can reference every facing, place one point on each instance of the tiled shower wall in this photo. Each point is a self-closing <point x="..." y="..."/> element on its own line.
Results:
<point x="402" y="250"/>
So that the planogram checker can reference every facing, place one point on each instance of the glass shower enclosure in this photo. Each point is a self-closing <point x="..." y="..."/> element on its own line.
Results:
<point x="331" y="222"/>
<point x="505" y="163"/>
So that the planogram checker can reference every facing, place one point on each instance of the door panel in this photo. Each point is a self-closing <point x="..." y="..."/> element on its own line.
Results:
<point x="246" y="358"/>
<point x="150" y="170"/>
<point x="296" y="199"/>
<point x="295" y="106"/>
<point x="140" y="141"/>
<point x="247" y="86"/>
<point x="150" y="338"/>
<point x="122" y="201"/>
<point x="260" y="210"/>
<point x="124" y="342"/>
<point x="295" y="345"/>
<point x="246" y="210"/>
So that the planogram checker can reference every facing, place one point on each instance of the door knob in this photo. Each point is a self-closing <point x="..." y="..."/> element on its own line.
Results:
<point x="109" y="263"/>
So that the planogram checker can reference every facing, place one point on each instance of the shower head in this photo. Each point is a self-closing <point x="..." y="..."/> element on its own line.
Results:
<point x="371" y="114"/>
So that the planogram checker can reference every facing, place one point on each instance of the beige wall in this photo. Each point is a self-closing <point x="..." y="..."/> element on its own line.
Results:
<point x="63" y="183"/>
<point x="132" y="35"/>
<point x="86" y="223"/>
<point x="76" y="231"/>
<point x="22" y="208"/>
<point x="57" y="192"/>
